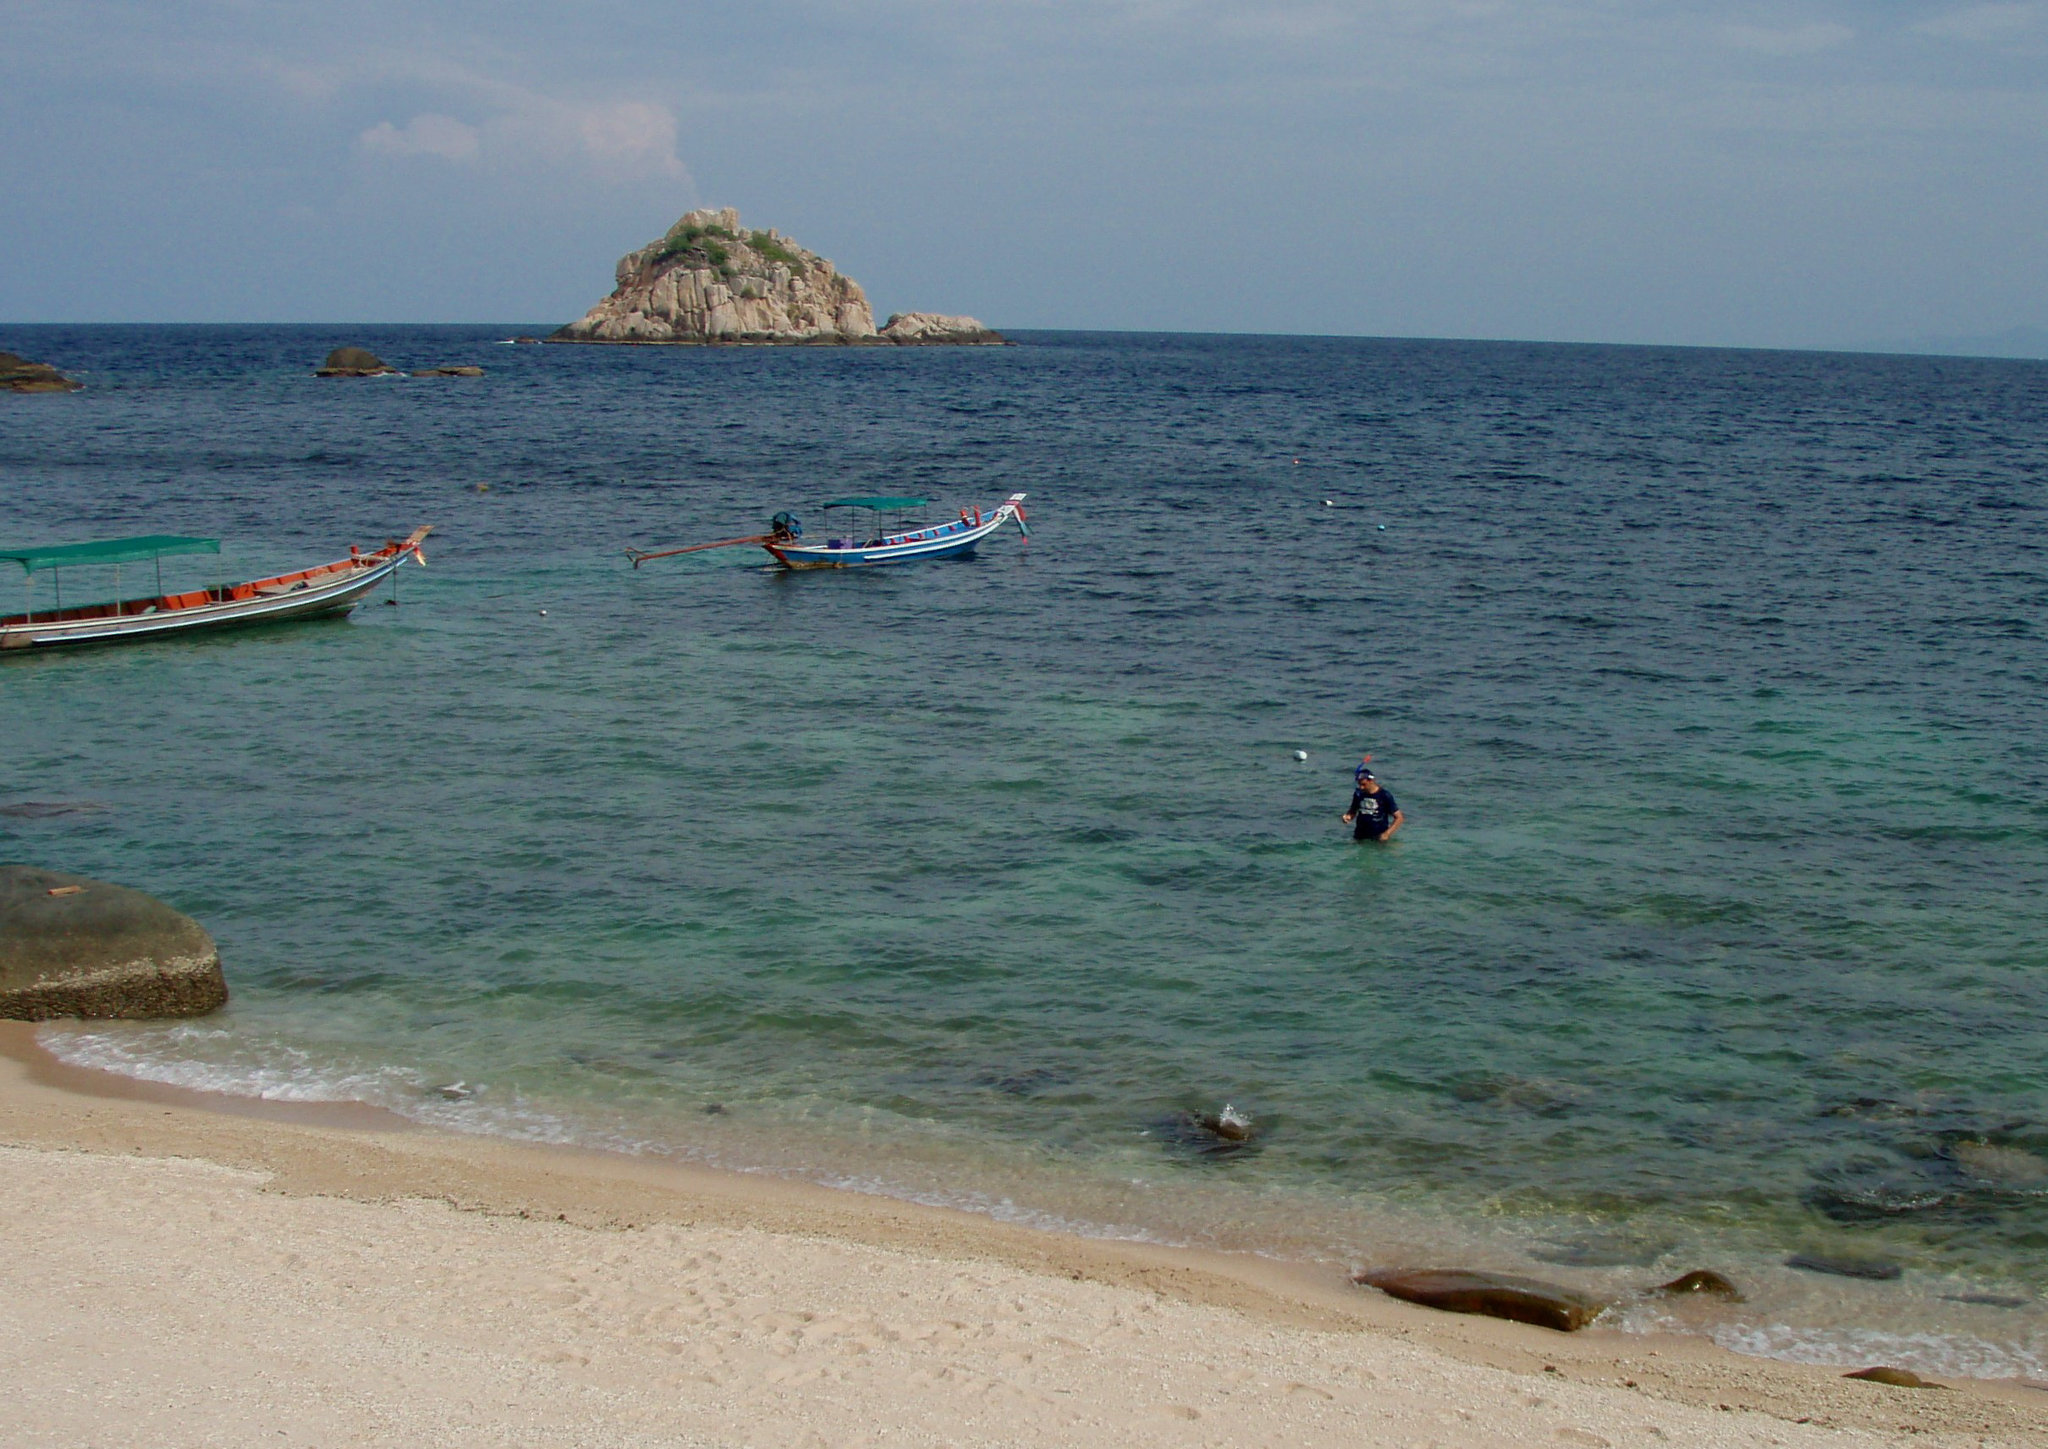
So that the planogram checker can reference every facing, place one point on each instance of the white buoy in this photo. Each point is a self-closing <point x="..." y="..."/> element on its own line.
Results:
<point x="543" y="613"/>
<point x="1383" y="528"/>
<point x="1301" y="754"/>
<point x="1329" y="503"/>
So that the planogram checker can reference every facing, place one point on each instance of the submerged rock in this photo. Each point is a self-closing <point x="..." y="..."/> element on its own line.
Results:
<point x="353" y="362"/>
<point x="1496" y="1295"/>
<point x="1988" y="1300"/>
<point x="463" y="371"/>
<point x="1229" y="1124"/>
<point x="1877" y="1270"/>
<point x="1898" y="1378"/>
<point x="1701" y="1280"/>
<point x="74" y="946"/>
<point x="1206" y="1134"/>
<point x="2003" y="1166"/>
<point x="18" y="374"/>
<point x="50" y="809"/>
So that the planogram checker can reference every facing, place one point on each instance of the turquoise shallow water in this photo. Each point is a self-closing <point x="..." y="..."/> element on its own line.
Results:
<point x="1710" y="683"/>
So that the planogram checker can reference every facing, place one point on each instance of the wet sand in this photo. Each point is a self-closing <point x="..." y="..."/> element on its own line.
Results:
<point x="185" y="1269"/>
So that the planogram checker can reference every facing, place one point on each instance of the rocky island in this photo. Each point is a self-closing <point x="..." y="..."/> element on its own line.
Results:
<point x="708" y="282"/>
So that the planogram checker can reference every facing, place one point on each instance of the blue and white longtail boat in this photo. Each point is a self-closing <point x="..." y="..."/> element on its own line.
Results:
<point x="955" y="538"/>
<point x="863" y="541"/>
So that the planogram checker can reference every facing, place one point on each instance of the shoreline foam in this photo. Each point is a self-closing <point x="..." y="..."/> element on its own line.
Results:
<point x="1243" y="1331"/>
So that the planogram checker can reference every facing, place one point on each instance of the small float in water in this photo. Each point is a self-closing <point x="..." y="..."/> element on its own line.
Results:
<point x="869" y="531"/>
<point x="325" y="589"/>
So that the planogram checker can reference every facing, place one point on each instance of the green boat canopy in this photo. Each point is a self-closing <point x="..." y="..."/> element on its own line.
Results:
<point x="107" y="551"/>
<point x="879" y="504"/>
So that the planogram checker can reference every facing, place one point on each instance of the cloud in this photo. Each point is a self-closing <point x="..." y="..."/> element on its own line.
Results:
<point x="631" y="139"/>
<point x="424" y="135"/>
<point x="1798" y="40"/>
<point x="1982" y="22"/>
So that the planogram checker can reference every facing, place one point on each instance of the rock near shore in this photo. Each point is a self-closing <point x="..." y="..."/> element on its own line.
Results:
<point x="708" y="280"/>
<point x="74" y="946"/>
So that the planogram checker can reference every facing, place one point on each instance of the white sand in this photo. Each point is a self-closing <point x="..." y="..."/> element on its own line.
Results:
<point x="299" y="1295"/>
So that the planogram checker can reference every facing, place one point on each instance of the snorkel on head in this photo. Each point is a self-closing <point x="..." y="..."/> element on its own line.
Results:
<point x="1362" y="774"/>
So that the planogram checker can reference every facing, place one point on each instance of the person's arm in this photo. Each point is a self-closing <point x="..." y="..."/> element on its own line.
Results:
<point x="1352" y="813"/>
<point x="1393" y="825"/>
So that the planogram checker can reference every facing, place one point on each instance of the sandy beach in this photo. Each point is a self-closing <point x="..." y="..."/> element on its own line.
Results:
<point x="187" y="1270"/>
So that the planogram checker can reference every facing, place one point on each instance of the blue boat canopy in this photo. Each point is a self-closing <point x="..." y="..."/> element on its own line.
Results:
<point x="879" y="504"/>
<point x="107" y="551"/>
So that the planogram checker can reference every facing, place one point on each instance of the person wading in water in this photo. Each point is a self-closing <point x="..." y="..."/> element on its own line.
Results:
<point x="1373" y="810"/>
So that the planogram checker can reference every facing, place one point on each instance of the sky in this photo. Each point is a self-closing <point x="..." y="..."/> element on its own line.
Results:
<point x="1791" y="174"/>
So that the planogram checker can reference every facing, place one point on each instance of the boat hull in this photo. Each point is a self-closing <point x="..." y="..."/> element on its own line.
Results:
<point x="335" y="590"/>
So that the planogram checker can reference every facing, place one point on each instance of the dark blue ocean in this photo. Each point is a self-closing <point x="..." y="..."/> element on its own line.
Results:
<point x="1711" y="684"/>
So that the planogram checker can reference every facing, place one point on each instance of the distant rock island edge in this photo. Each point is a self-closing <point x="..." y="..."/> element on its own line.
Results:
<point x="707" y="282"/>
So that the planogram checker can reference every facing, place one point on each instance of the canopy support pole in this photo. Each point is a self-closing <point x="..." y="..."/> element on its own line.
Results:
<point x="159" y="578"/>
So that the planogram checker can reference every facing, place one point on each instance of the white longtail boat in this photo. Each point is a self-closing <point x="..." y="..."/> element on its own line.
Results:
<point x="330" y="588"/>
<point x="863" y="544"/>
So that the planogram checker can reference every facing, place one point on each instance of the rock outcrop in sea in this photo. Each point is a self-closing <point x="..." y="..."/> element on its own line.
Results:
<point x="353" y="362"/>
<point x="74" y="946"/>
<point x="709" y="281"/>
<point x="18" y="374"/>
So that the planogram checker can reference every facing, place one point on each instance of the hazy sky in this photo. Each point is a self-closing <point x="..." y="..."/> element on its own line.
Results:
<point x="1703" y="172"/>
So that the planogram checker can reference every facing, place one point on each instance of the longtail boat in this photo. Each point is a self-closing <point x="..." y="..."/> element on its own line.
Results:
<point x="868" y="534"/>
<point x="330" y="588"/>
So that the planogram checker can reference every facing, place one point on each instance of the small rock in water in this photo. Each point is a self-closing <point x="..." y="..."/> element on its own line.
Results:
<point x="1988" y="1300"/>
<point x="714" y="1109"/>
<point x="1702" y="1280"/>
<point x="354" y="362"/>
<point x="1875" y="1269"/>
<point x="1229" y="1124"/>
<point x="1496" y="1295"/>
<point x="454" y="1091"/>
<point x="1898" y="1378"/>
<point x="1207" y="1135"/>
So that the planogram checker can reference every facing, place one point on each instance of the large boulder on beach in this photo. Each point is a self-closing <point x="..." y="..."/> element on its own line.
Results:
<point x="74" y="946"/>
<point x="1497" y="1295"/>
<point x="18" y="374"/>
<point x="353" y="362"/>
